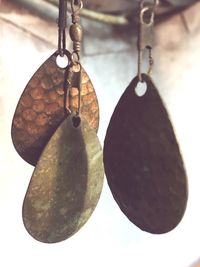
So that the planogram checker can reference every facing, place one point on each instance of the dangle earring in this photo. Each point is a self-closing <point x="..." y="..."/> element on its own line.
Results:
<point x="142" y="161"/>
<point x="40" y="109"/>
<point x="67" y="181"/>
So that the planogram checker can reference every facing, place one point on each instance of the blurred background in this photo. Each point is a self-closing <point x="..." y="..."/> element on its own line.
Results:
<point x="28" y="36"/>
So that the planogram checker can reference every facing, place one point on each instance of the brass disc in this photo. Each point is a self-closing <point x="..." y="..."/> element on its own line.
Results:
<point x="40" y="109"/>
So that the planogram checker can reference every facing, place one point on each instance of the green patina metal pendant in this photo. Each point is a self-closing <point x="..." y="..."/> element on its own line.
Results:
<point x="143" y="163"/>
<point x="66" y="183"/>
<point x="40" y="109"/>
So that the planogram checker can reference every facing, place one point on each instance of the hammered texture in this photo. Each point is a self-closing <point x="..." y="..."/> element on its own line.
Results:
<point x="66" y="184"/>
<point x="143" y="163"/>
<point x="40" y="109"/>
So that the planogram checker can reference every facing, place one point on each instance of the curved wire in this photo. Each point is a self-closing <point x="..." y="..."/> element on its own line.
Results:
<point x="76" y="7"/>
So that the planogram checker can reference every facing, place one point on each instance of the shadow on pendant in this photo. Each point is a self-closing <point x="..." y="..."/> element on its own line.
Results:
<point x="57" y="202"/>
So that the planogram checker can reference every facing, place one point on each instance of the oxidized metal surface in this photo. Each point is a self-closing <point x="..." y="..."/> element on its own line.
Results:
<point x="66" y="184"/>
<point x="40" y="109"/>
<point x="143" y="163"/>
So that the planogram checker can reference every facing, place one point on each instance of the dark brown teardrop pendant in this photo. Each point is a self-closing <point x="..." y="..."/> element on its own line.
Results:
<point x="40" y="109"/>
<point x="142" y="161"/>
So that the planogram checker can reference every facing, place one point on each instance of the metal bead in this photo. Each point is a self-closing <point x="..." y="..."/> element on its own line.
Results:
<point x="76" y="32"/>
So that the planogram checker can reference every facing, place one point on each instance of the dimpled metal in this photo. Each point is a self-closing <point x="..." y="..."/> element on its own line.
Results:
<point x="143" y="163"/>
<point x="40" y="109"/>
<point x="66" y="184"/>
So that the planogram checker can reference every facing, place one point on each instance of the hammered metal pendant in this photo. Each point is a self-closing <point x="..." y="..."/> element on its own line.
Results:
<point x="40" y="109"/>
<point x="66" y="184"/>
<point x="143" y="163"/>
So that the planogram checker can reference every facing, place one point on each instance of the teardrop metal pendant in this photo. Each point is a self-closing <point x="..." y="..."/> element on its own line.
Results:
<point x="66" y="184"/>
<point x="143" y="163"/>
<point x="40" y="109"/>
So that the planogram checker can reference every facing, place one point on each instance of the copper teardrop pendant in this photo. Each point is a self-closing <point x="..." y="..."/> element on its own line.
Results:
<point x="66" y="183"/>
<point x="40" y="109"/>
<point x="143" y="163"/>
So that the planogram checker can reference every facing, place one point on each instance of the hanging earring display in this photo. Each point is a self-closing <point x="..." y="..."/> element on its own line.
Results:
<point x="40" y="108"/>
<point x="142" y="160"/>
<point x="67" y="182"/>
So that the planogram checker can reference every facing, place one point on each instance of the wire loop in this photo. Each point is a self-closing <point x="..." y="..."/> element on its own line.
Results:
<point x="75" y="58"/>
<point x="76" y="5"/>
<point x="62" y="24"/>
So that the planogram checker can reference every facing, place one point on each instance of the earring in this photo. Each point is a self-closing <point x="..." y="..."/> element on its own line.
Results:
<point x="67" y="181"/>
<point x="40" y="109"/>
<point x="142" y="161"/>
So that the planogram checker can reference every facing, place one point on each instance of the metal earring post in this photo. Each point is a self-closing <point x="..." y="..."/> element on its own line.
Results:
<point x="145" y="34"/>
<point x="62" y="24"/>
<point x="76" y="32"/>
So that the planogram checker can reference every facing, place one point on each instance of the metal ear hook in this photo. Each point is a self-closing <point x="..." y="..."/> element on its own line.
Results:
<point x="73" y="71"/>
<point x="62" y="24"/>
<point x="146" y="34"/>
<point x="142" y="16"/>
<point x="76" y="5"/>
<point x="76" y="31"/>
<point x="146" y="6"/>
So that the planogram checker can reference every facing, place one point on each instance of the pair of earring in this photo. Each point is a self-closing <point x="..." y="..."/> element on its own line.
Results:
<point x="54" y="128"/>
